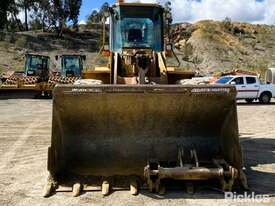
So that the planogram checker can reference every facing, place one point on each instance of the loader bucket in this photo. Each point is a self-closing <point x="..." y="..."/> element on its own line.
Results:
<point x="115" y="130"/>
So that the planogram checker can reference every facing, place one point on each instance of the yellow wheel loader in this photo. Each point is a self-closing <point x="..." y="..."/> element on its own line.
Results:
<point x="37" y="81"/>
<point x="139" y="128"/>
<point x="70" y="68"/>
<point x="30" y="83"/>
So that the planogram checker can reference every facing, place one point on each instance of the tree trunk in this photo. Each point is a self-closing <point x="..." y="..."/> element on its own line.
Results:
<point x="19" y="25"/>
<point x="61" y="26"/>
<point x="26" y="15"/>
<point x="3" y="16"/>
<point x="43" y="23"/>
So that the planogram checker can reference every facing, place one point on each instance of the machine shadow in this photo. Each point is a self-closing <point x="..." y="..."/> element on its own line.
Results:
<point x="259" y="160"/>
<point x="254" y="104"/>
<point x="183" y="195"/>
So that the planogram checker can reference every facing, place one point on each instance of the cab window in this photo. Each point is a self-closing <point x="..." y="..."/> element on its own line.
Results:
<point x="137" y="28"/>
<point x="238" y="80"/>
<point x="250" y="80"/>
<point x="223" y="80"/>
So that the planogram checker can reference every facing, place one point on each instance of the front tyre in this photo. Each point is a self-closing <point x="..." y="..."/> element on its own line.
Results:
<point x="265" y="98"/>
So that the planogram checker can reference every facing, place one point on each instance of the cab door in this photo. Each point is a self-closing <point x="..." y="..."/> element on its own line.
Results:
<point x="252" y="87"/>
<point x="240" y="86"/>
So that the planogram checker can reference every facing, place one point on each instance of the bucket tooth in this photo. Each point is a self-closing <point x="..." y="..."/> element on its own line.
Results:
<point x="133" y="187"/>
<point x="50" y="186"/>
<point x="48" y="189"/>
<point x="105" y="188"/>
<point x="77" y="188"/>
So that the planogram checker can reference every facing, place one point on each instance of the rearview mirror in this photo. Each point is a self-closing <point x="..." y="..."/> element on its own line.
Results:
<point x="233" y="83"/>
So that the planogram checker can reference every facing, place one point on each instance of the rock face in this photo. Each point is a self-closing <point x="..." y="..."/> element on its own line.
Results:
<point x="210" y="46"/>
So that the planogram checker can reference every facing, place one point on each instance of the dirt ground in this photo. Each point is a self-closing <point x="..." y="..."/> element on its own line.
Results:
<point x="25" y="130"/>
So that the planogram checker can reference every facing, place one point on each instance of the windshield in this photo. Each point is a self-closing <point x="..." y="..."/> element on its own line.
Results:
<point x="137" y="28"/>
<point x="71" y="65"/>
<point x="223" y="80"/>
<point x="137" y="32"/>
<point x="33" y="63"/>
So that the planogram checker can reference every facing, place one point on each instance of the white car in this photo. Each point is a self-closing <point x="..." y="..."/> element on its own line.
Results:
<point x="250" y="88"/>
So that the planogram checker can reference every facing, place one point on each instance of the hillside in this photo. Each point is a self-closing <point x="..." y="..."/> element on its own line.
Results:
<point x="205" y="46"/>
<point x="14" y="46"/>
<point x="209" y="46"/>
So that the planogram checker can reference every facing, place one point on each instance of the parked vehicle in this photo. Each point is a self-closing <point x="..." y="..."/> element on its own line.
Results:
<point x="31" y="82"/>
<point x="250" y="88"/>
<point x="270" y="76"/>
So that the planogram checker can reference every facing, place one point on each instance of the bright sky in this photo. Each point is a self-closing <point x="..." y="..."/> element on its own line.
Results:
<point x="253" y="11"/>
<point x="89" y="5"/>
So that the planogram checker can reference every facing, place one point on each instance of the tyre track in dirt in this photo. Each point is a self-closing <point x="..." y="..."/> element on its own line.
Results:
<point x="20" y="142"/>
<point x="25" y="131"/>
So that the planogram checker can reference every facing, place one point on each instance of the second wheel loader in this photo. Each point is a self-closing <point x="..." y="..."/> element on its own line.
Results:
<point x="140" y="128"/>
<point x="37" y="80"/>
<point x="70" y="68"/>
<point x="32" y="82"/>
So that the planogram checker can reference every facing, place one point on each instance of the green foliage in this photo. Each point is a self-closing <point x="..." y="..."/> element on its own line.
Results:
<point x="25" y="5"/>
<point x="46" y="14"/>
<point x="64" y="11"/>
<point x="93" y="18"/>
<point x="36" y="24"/>
<point x="96" y="17"/>
<point x="74" y="9"/>
<point x="7" y="8"/>
<point x="3" y="14"/>
<point x="43" y="14"/>
<point x="227" y="24"/>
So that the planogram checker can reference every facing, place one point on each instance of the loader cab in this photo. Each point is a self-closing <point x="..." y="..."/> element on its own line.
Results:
<point x="136" y="27"/>
<point x="72" y="65"/>
<point x="37" y="65"/>
<point x="138" y="46"/>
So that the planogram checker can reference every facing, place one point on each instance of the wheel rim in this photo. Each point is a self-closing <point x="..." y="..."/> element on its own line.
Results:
<point x="265" y="98"/>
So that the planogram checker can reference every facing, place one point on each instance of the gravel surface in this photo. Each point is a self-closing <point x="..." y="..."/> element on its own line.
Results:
<point x="25" y="131"/>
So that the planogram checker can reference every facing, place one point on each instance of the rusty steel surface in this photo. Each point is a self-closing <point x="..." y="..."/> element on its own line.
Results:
<point x="180" y="173"/>
<point x="112" y="130"/>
